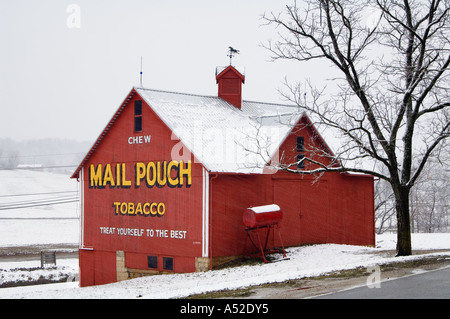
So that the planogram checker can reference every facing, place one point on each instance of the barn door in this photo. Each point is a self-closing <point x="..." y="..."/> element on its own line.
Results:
<point x="305" y="208"/>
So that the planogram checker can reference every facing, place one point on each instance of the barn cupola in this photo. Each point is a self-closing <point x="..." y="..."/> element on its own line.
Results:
<point x="230" y="82"/>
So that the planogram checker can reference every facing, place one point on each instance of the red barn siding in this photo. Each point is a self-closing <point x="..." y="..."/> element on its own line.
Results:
<point x="331" y="210"/>
<point x="87" y="268"/>
<point x="97" y="267"/>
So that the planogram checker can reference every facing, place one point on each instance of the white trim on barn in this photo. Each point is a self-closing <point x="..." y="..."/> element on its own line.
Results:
<point x="82" y="207"/>
<point x="205" y="214"/>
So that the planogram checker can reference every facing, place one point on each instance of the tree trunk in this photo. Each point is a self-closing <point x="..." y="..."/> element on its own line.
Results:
<point x="403" y="221"/>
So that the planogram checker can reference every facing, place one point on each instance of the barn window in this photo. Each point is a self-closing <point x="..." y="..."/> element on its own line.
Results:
<point x="302" y="163"/>
<point x="138" y="124"/>
<point x="167" y="263"/>
<point x="152" y="261"/>
<point x="300" y="144"/>
<point x="138" y="116"/>
<point x="138" y="107"/>
<point x="300" y="152"/>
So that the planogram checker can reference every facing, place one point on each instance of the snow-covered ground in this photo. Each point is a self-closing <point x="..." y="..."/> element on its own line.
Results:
<point x="304" y="261"/>
<point x="31" y="271"/>
<point x="25" y="219"/>
<point x="28" y="224"/>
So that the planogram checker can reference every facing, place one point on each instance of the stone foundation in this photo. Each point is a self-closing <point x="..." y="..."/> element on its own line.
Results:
<point x="123" y="273"/>
<point x="202" y="264"/>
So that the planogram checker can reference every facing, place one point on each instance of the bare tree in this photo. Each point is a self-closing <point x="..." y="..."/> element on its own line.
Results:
<point x="391" y="97"/>
<point x="384" y="207"/>
<point x="429" y="200"/>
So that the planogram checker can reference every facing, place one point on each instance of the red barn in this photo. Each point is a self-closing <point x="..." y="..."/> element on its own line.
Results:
<point x="165" y="185"/>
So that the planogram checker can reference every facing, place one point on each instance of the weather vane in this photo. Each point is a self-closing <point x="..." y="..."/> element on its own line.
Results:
<point x="231" y="53"/>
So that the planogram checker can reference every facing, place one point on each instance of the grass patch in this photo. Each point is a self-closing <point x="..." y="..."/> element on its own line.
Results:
<point x="415" y="263"/>
<point x="226" y="293"/>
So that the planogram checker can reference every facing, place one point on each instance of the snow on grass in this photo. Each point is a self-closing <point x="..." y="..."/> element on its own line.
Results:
<point x="33" y="225"/>
<point x="24" y="272"/>
<point x="38" y="231"/>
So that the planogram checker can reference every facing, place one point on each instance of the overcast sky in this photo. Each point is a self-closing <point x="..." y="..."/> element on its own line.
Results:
<point x="64" y="78"/>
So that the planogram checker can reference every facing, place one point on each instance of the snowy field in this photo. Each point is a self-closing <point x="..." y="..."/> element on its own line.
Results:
<point x="62" y="227"/>
<point x="25" y="217"/>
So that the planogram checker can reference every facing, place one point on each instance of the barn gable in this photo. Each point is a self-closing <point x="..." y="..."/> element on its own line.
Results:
<point x="304" y="142"/>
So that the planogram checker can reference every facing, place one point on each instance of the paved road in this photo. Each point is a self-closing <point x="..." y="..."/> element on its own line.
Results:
<point x="433" y="284"/>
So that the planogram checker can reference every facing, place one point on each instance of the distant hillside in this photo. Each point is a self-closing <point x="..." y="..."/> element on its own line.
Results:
<point x="57" y="155"/>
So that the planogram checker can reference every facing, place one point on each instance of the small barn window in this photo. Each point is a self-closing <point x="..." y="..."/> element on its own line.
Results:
<point x="300" y="152"/>
<point x="300" y="163"/>
<point x="300" y="144"/>
<point x="138" y="116"/>
<point x="138" y="124"/>
<point x="152" y="261"/>
<point x="138" y="107"/>
<point x="167" y="263"/>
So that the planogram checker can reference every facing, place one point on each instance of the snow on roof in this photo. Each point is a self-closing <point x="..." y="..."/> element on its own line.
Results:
<point x="222" y="137"/>
<point x="240" y="69"/>
<point x="265" y="208"/>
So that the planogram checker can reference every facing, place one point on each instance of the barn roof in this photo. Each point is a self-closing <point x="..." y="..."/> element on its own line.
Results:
<point x="222" y="137"/>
